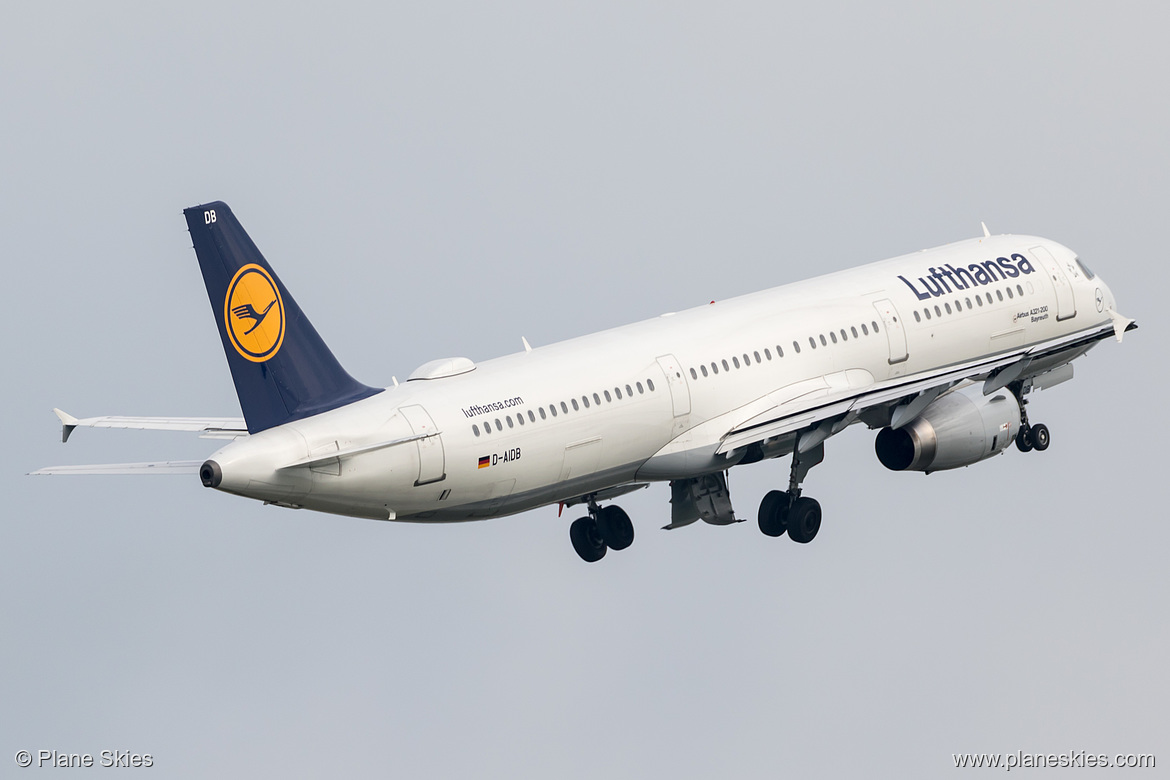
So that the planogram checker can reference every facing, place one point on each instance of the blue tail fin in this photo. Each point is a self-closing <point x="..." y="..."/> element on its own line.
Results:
<point x="282" y="369"/>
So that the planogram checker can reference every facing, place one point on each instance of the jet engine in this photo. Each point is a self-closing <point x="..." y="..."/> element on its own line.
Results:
<point x="956" y="429"/>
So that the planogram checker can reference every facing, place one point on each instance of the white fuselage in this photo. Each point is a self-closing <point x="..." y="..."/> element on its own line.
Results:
<point x="655" y="400"/>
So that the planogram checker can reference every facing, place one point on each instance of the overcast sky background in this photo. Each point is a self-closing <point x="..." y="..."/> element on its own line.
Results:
<point x="439" y="179"/>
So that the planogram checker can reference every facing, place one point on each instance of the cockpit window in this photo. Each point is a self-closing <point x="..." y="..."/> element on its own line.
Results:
<point x="1084" y="268"/>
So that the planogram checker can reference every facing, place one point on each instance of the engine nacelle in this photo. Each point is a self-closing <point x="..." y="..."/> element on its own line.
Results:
<point x="957" y="429"/>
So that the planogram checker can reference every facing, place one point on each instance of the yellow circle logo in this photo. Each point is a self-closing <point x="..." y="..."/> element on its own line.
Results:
<point x="254" y="314"/>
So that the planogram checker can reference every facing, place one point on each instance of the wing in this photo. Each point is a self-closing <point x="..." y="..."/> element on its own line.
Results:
<point x="160" y="467"/>
<point x="814" y="410"/>
<point x="207" y="427"/>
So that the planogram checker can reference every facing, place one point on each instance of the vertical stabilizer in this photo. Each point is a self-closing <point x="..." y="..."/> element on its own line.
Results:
<point x="282" y="369"/>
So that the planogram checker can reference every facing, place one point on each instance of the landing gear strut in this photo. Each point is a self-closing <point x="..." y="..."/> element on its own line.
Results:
<point x="604" y="529"/>
<point x="782" y="511"/>
<point x="1031" y="437"/>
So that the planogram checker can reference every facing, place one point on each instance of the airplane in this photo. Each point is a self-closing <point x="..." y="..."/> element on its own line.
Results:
<point x="938" y="351"/>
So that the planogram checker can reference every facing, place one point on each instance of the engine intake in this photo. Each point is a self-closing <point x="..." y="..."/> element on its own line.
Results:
<point x="957" y="429"/>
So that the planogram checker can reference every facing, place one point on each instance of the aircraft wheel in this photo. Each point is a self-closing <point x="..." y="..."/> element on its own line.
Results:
<point x="774" y="513"/>
<point x="614" y="526"/>
<point x="1024" y="439"/>
<point x="586" y="540"/>
<point x="1040" y="437"/>
<point x="804" y="520"/>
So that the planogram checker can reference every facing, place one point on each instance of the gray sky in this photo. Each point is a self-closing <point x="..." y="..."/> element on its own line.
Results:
<point x="439" y="179"/>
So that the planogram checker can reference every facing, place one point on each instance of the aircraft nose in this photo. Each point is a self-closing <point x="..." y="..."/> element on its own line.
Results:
<point x="210" y="474"/>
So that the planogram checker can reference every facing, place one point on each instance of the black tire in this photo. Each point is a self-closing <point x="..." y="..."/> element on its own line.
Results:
<point x="615" y="527"/>
<point x="774" y="513"/>
<point x="1040" y="437"/>
<point x="1024" y="439"/>
<point x="804" y="520"/>
<point x="586" y="540"/>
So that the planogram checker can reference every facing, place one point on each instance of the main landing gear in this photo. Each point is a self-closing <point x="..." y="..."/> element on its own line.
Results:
<point x="1031" y="437"/>
<point x="604" y="529"/>
<point x="788" y="511"/>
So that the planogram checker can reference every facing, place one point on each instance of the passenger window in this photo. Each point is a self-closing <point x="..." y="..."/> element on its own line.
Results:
<point x="576" y="406"/>
<point x="958" y="306"/>
<point x="565" y="407"/>
<point x="844" y="335"/>
<point x="639" y="386"/>
<point x="542" y="414"/>
<point x="714" y="368"/>
<point x="864" y="330"/>
<point x="520" y="418"/>
<point x="1009" y="292"/>
<point x="917" y="316"/>
<point x="531" y="416"/>
<point x="989" y="300"/>
<point x="498" y="426"/>
<point x="832" y="335"/>
<point x="725" y="366"/>
<point x="948" y="307"/>
<point x="768" y="353"/>
<point x="853" y="330"/>
<point x="927" y="313"/>
<point x="796" y="346"/>
<point x="968" y="303"/>
<point x="552" y="409"/>
<point x="937" y="312"/>
<point x="735" y="360"/>
<point x="703" y="369"/>
<point x="609" y="398"/>
<point x="629" y="391"/>
<point x="509" y="419"/>
<point x="812" y="342"/>
<point x="618" y="392"/>
<point x="475" y="429"/>
<point x="487" y="427"/>
<point x="875" y="327"/>
<point x="585" y="400"/>
<point x="746" y="360"/>
<point x="650" y="384"/>
<point x="823" y="342"/>
<point x="999" y="294"/>
<point x="694" y="374"/>
<point x="757" y="356"/>
<point x="1020" y="290"/>
<point x="779" y="351"/>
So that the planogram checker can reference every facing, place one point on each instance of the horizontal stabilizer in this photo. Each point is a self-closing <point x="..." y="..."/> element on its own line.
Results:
<point x="208" y="427"/>
<point x="158" y="467"/>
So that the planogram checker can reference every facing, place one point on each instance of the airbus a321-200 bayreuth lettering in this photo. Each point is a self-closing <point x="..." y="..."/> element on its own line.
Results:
<point x="937" y="351"/>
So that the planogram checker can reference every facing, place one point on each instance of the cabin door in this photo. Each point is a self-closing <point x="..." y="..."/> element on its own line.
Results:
<point x="431" y="461"/>
<point x="895" y="333"/>
<point x="1066" y="304"/>
<point x="680" y="394"/>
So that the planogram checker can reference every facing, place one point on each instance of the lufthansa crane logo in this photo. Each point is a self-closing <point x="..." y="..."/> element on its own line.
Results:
<point x="254" y="314"/>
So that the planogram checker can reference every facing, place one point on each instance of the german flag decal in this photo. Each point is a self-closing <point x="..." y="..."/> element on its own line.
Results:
<point x="485" y="461"/>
